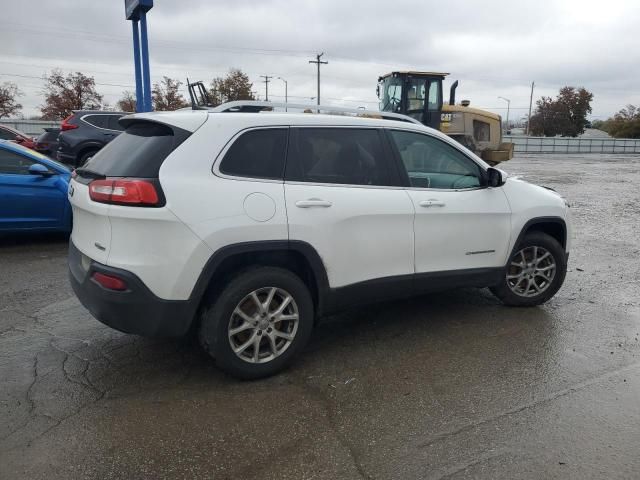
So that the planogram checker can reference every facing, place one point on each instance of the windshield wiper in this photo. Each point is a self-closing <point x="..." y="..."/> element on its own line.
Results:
<point x="85" y="172"/>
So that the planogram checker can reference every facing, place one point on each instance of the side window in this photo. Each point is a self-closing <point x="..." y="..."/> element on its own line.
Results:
<point x="434" y="97"/>
<point x="12" y="163"/>
<point x="100" y="121"/>
<point x="432" y="163"/>
<point x="257" y="154"/>
<point x="481" y="131"/>
<point x="346" y="156"/>
<point x="113" y="124"/>
<point x="6" y="135"/>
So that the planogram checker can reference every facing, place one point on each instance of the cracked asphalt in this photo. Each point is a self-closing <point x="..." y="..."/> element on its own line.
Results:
<point x="450" y="385"/>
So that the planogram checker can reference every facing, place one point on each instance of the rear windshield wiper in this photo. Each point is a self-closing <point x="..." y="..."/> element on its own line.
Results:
<point x="85" y="172"/>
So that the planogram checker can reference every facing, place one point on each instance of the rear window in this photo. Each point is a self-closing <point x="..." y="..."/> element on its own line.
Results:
<point x="99" y="121"/>
<point x="113" y="123"/>
<point x="257" y="154"/>
<point x="137" y="152"/>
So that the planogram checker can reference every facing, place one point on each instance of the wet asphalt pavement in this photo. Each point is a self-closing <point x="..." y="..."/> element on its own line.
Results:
<point x="451" y="385"/>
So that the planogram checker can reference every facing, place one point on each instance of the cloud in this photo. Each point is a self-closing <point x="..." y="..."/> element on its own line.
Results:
<point x="493" y="47"/>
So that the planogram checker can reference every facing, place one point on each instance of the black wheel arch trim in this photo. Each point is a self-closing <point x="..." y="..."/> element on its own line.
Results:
<point x="267" y="246"/>
<point x="537" y="221"/>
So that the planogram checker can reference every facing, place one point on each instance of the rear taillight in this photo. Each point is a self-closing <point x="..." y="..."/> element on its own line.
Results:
<point x="124" y="192"/>
<point x="65" y="125"/>
<point x="110" y="282"/>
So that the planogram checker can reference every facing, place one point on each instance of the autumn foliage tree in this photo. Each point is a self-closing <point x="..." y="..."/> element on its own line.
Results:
<point x="64" y="93"/>
<point x="235" y="86"/>
<point x="9" y="94"/>
<point x="166" y="95"/>
<point x="566" y="115"/>
<point x="128" y="102"/>
<point x="624" y="124"/>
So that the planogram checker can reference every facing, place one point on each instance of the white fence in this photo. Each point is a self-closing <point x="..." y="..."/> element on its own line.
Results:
<point x="32" y="128"/>
<point x="525" y="144"/>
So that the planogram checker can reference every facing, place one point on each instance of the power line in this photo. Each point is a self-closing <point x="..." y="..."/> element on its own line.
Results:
<point x="44" y="80"/>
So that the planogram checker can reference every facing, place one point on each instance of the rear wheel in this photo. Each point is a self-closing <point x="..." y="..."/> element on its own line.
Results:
<point x="258" y="322"/>
<point x="535" y="271"/>
<point x="85" y="157"/>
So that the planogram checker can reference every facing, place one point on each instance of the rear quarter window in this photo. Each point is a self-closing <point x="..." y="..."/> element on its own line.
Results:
<point x="139" y="151"/>
<point x="114" y="124"/>
<point x="257" y="154"/>
<point x="100" y="121"/>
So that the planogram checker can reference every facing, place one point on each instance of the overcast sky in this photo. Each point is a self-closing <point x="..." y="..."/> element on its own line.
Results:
<point x="495" y="48"/>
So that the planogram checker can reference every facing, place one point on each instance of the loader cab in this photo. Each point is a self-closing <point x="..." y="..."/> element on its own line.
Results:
<point x="417" y="94"/>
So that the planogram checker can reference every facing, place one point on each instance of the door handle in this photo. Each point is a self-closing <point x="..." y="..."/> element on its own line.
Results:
<point x="432" y="202"/>
<point x="313" y="202"/>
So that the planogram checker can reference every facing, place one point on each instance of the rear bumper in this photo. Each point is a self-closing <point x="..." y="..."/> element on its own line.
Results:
<point x="136" y="310"/>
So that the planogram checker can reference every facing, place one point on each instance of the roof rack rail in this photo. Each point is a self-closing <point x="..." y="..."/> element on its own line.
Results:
<point x="257" y="106"/>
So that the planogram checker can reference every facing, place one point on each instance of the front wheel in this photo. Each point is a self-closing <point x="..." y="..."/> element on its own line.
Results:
<point x="258" y="323"/>
<point x="535" y="271"/>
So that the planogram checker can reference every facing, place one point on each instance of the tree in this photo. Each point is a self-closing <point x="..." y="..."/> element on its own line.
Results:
<point x="128" y="102"/>
<point x="75" y="91"/>
<point x="166" y="95"/>
<point x="566" y="115"/>
<point x="9" y="105"/>
<point x="235" y="86"/>
<point x="624" y="124"/>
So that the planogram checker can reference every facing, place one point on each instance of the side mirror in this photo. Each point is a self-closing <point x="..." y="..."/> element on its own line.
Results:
<point x="39" y="169"/>
<point x="495" y="177"/>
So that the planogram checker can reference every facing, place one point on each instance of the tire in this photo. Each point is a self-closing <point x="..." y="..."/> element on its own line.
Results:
<point x="84" y="158"/>
<point x="274" y="350"/>
<point x="547" y="273"/>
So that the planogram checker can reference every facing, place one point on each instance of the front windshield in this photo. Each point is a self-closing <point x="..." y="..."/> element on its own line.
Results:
<point x="390" y="94"/>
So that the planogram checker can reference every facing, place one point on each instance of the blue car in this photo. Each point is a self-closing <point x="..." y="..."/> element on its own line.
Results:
<point x="33" y="191"/>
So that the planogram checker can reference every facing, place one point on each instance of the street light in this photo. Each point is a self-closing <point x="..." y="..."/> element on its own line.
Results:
<point x="508" y="107"/>
<point x="286" y="87"/>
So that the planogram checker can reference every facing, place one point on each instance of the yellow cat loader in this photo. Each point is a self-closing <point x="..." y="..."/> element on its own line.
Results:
<point x="419" y="95"/>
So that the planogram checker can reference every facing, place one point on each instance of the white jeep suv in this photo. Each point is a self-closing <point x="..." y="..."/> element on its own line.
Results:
<point x="247" y="227"/>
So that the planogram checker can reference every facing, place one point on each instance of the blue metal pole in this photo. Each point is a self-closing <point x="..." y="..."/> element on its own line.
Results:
<point x="136" y="60"/>
<point x="146" y="78"/>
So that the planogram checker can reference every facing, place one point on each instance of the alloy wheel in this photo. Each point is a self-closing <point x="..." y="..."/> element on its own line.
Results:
<point x="263" y="325"/>
<point x="531" y="271"/>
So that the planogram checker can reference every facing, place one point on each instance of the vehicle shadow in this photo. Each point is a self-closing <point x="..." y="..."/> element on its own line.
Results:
<point x="364" y="340"/>
<point x="29" y="239"/>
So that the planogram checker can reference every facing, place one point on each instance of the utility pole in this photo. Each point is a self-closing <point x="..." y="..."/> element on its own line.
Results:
<point x="530" y="103"/>
<point x="267" y="79"/>
<point x="318" y="62"/>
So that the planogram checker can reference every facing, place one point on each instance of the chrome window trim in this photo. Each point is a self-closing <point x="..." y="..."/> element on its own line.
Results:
<point x="97" y="115"/>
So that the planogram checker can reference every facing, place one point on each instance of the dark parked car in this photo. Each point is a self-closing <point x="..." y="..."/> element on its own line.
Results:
<point x="84" y="132"/>
<point x="47" y="142"/>
<point x="16" y="136"/>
